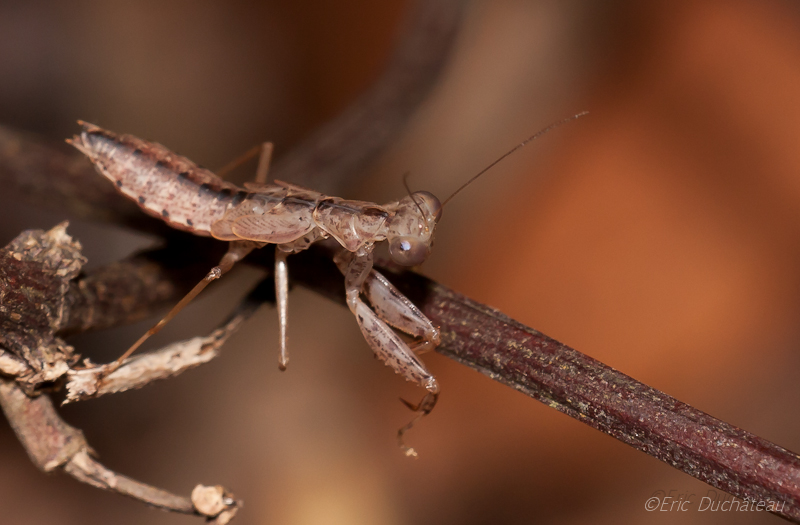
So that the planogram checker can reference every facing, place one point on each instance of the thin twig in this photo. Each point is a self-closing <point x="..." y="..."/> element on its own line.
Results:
<point x="174" y="359"/>
<point x="53" y="444"/>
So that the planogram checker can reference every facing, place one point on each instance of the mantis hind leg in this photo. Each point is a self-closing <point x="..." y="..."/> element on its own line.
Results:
<point x="264" y="152"/>
<point x="236" y="251"/>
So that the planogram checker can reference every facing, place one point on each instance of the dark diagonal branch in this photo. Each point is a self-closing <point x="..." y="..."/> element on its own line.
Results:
<point x="53" y="176"/>
<point x="336" y="153"/>
<point x="131" y="289"/>
<point x="486" y="340"/>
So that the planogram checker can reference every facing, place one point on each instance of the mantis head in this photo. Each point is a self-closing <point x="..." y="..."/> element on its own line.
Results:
<point x="410" y="229"/>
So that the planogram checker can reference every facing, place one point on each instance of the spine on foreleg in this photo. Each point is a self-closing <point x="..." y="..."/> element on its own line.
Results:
<point x="389" y="348"/>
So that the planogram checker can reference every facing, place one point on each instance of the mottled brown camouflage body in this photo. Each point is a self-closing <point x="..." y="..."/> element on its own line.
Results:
<point x="164" y="184"/>
<point x="192" y="198"/>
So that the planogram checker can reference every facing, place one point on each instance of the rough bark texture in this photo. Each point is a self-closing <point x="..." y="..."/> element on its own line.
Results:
<point x="34" y="285"/>
<point x="35" y="273"/>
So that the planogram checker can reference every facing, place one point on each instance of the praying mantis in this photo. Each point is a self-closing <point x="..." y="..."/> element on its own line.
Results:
<point x="191" y="198"/>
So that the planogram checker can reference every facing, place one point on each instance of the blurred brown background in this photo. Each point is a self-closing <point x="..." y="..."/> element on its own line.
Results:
<point x="660" y="235"/>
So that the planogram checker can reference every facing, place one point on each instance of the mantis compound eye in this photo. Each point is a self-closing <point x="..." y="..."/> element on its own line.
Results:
<point x="408" y="251"/>
<point x="428" y="201"/>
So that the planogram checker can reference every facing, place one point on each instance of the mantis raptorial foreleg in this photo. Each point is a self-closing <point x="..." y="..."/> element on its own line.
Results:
<point x="397" y="310"/>
<point x="385" y="343"/>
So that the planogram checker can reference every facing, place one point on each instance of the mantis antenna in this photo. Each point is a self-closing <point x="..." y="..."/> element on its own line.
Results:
<point x="525" y="142"/>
